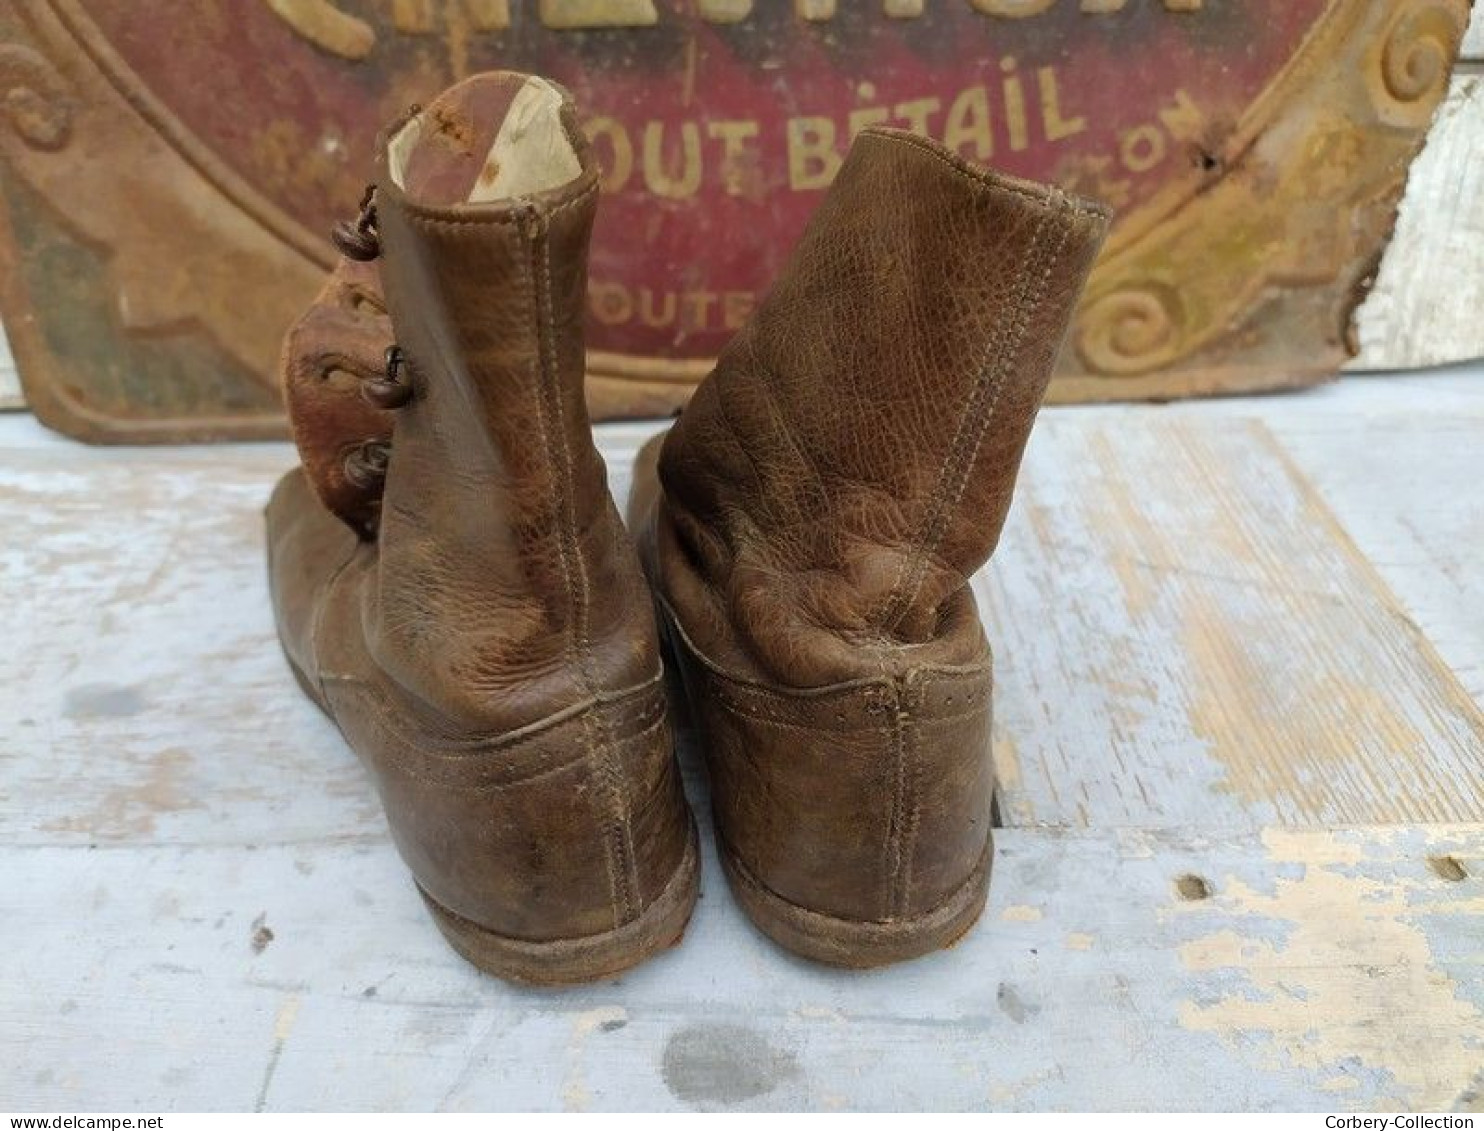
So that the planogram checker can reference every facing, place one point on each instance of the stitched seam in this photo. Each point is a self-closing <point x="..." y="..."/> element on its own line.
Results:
<point x="488" y="743"/>
<point x="943" y="720"/>
<point x="578" y="591"/>
<point x="745" y="686"/>
<point x="617" y="834"/>
<point x="953" y="479"/>
<point x="415" y="214"/>
<point x="936" y="675"/>
<point x="912" y="787"/>
<point x="390" y="722"/>
<point x="979" y="411"/>
<point x="321" y="606"/>
<point x="1053" y="200"/>
<point x="893" y="607"/>
<point x="401" y="769"/>
<point x="602" y="758"/>
<point x="424" y="221"/>
<point x="829" y="728"/>
<point x="780" y="724"/>
<point x="894" y="837"/>
<point x="542" y="376"/>
<point x="965" y="471"/>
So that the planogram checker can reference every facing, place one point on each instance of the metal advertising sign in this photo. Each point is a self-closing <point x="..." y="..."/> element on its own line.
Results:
<point x="169" y="171"/>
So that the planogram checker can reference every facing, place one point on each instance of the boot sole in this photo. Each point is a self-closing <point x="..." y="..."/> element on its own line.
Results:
<point x="569" y="961"/>
<point x="565" y="961"/>
<point x="853" y="943"/>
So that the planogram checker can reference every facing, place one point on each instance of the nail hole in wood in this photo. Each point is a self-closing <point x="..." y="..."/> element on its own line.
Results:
<point x="1448" y="868"/>
<point x="1192" y="887"/>
<point x="1206" y="161"/>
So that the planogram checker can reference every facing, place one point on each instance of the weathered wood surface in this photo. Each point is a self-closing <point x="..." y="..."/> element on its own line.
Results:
<point x="1170" y="593"/>
<point x="1430" y="287"/>
<point x="1397" y="460"/>
<point x="202" y="909"/>
<point x="144" y="691"/>
<point x="1473" y="42"/>
<point x="1326" y="970"/>
<point x="1407" y="488"/>
<point x="10" y="382"/>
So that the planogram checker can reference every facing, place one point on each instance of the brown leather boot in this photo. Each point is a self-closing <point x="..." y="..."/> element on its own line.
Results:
<point x="478" y="625"/>
<point x="827" y="495"/>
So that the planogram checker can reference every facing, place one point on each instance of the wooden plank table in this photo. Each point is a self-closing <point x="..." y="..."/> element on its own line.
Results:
<point x="1238" y="722"/>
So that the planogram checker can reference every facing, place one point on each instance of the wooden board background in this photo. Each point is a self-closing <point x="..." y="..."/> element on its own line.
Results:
<point x="1326" y="971"/>
<point x="1238" y="721"/>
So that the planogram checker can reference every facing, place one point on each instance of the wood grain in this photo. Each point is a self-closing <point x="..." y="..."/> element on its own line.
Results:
<point x="1473" y="41"/>
<point x="1321" y="971"/>
<point x="1425" y="307"/>
<point x="143" y="688"/>
<point x="1406" y="488"/>
<point x="1217" y="615"/>
<point x="1185" y="636"/>
<point x="1423" y="310"/>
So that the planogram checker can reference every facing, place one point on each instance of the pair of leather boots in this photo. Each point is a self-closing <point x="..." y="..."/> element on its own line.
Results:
<point x="454" y="585"/>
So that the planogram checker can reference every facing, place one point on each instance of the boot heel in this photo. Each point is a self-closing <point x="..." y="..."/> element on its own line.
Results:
<point x="570" y="961"/>
<point x="852" y="943"/>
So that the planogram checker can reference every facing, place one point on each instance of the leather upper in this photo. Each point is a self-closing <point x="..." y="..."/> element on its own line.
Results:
<point x="496" y="515"/>
<point x="489" y="647"/>
<point x="849" y="463"/>
<point x="826" y="496"/>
